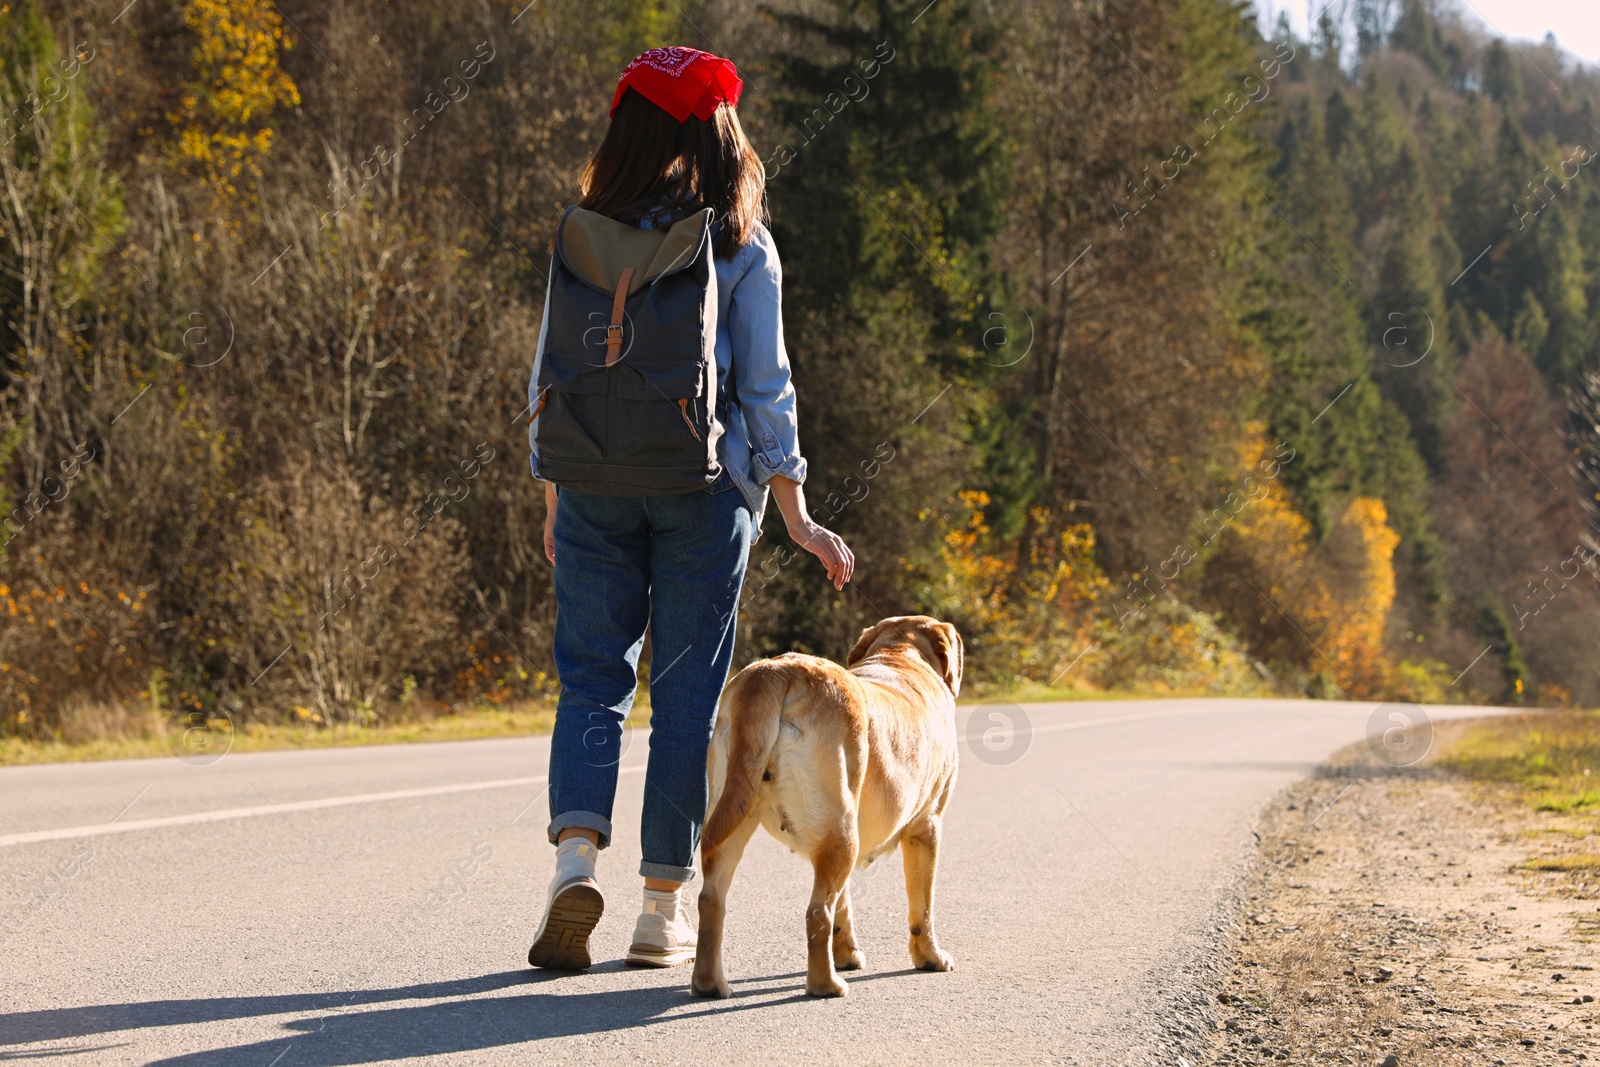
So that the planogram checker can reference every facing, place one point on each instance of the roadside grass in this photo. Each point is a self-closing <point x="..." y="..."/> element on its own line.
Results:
<point x="1575" y="832"/>
<point x="131" y="737"/>
<point x="1548" y="760"/>
<point x="1545" y="762"/>
<point x="1562" y="863"/>
<point x="1038" y="693"/>
<point x="157" y="738"/>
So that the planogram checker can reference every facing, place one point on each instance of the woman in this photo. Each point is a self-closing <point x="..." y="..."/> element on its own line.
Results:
<point x="672" y="564"/>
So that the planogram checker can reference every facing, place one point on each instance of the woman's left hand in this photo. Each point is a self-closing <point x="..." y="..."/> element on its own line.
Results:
<point x="550" y="522"/>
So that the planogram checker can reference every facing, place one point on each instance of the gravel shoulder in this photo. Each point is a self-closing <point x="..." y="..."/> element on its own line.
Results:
<point x="1406" y="915"/>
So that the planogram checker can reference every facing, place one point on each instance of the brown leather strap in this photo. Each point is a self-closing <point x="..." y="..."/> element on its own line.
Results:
<point x="683" y="409"/>
<point x="614" y="331"/>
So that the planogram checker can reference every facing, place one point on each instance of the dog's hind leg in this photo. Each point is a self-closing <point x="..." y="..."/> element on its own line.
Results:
<point x="831" y="864"/>
<point x="846" y="954"/>
<point x="919" y="849"/>
<point x="717" y="864"/>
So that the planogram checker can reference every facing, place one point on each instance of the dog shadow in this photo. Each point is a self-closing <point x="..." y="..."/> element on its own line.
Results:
<point x="460" y="1019"/>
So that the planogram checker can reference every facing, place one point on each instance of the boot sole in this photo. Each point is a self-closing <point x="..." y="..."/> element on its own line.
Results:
<point x="563" y="943"/>
<point x="642" y="955"/>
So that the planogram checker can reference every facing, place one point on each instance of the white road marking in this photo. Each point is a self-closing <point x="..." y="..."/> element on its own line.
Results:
<point x="67" y="833"/>
<point x="1112" y="720"/>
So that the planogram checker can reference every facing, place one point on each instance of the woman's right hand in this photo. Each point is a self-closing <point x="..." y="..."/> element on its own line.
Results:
<point x="829" y="547"/>
<point x="818" y="540"/>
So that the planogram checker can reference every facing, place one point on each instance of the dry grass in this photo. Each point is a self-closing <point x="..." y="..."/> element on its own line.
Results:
<point x="103" y="731"/>
<point x="150" y="736"/>
<point x="1562" y="863"/>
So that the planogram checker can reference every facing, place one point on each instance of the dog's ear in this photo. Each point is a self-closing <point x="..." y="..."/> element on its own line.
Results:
<point x="868" y="637"/>
<point x="949" y="655"/>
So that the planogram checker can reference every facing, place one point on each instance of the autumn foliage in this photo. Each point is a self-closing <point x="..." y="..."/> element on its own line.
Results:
<point x="1155" y="356"/>
<point x="222" y="118"/>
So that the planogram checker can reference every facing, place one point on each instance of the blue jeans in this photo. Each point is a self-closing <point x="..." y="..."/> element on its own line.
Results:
<point x="674" y="564"/>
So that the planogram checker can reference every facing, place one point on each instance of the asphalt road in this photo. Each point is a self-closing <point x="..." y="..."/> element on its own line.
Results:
<point x="352" y="906"/>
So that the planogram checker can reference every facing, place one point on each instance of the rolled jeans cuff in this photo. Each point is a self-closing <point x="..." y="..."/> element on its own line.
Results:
<point x="669" y="872"/>
<point x="582" y="820"/>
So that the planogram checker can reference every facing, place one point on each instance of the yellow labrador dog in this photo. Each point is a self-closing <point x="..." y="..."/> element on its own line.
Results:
<point x="841" y="765"/>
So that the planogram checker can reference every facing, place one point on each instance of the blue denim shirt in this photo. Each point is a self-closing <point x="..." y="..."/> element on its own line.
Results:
<point x="756" y="403"/>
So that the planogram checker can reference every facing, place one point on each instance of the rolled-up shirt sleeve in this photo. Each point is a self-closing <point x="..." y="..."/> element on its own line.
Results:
<point x="765" y="392"/>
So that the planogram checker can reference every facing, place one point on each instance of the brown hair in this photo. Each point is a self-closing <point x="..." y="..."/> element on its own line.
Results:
<point x="651" y="163"/>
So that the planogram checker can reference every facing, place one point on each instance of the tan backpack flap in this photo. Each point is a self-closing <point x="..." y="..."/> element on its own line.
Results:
<point x="597" y="248"/>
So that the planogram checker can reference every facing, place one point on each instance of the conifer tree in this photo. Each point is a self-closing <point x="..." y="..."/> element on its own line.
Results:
<point x="885" y="190"/>
<point x="1502" y="80"/>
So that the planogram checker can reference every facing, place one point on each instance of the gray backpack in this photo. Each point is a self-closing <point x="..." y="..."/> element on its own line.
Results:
<point x="628" y="379"/>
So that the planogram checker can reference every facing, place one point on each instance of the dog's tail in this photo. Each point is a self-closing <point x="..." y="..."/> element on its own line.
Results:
<point x="752" y="706"/>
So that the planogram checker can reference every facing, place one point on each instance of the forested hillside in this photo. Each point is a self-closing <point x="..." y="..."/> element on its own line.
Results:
<point x="1151" y="347"/>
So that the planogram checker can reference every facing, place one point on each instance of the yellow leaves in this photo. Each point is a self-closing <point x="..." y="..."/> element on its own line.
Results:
<point x="1327" y="605"/>
<point x="1017" y="600"/>
<point x="238" y="84"/>
<point x="1370" y="600"/>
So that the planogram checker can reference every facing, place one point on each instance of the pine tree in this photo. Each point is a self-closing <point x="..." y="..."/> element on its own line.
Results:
<point x="918" y="153"/>
<point x="885" y="193"/>
<point x="1350" y="440"/>
<point x="1556" y="276"/>
<point x="1502" y="79"/>
<point x="1409" y="295"/>
<point x="1370" y="26"/>
<point x="1417" y="31"/>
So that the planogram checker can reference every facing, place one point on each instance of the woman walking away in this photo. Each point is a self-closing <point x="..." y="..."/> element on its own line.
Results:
<point x="662" y="414"/>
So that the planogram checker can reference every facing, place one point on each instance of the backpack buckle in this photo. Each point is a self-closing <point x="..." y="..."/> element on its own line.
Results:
<point x="614" y="330"/>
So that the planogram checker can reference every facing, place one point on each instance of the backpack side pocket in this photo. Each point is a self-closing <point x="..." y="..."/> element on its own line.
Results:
<point x="572" y="423"/>
<point x="659" y="415"/>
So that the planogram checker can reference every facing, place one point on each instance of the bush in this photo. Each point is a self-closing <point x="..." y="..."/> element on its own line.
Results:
<point x="333" y="600"/>
<point x="1171" y="647"/>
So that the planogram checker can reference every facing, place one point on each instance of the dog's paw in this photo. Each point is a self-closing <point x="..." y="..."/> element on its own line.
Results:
<point x="850" y="961"/>
<point x="715" y="990"/>
<point x="937" y="960"/>
<point x="830" y="988"/>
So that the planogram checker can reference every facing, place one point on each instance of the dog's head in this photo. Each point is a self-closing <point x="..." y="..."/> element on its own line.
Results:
<point x="935" y="641"/>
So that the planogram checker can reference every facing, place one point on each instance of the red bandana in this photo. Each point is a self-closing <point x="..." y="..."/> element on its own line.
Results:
<point x="681" y="82"/>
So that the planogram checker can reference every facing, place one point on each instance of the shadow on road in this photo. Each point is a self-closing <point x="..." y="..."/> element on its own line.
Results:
<point x="463" y="1019"/>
